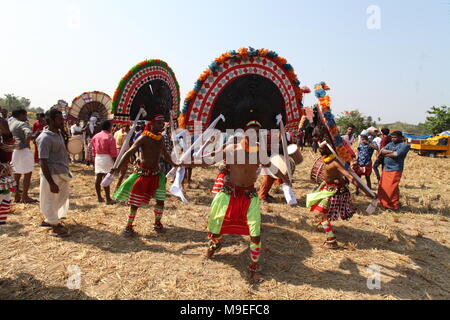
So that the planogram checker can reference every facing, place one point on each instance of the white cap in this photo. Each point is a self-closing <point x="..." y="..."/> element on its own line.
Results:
<point x="372" y="130"/>
<point x="93" y="119"/>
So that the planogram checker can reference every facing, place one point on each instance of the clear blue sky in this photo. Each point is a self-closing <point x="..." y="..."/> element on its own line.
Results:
<point x="59" y="49"/>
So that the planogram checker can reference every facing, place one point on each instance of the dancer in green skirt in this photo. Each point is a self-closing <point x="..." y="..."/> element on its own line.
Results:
<point x="147" y="181"/>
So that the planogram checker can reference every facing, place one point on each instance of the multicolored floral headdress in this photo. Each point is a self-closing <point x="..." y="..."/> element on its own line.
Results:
<point x="234" y="77"/>
<point x="144" y="78"/>
<point x="329" y="121"/>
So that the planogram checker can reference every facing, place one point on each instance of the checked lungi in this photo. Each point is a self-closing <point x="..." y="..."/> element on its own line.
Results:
<point x="333" y="200"/>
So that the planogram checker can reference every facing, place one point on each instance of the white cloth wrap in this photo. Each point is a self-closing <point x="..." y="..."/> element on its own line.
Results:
<point x="289" y="195"/>
<point x="54" y="206"/>
<point x="22" y="161"/>
<point x="103" y="163"/>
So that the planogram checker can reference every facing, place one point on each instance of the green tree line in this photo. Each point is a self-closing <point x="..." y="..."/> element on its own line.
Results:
<point x="12" y="102"/>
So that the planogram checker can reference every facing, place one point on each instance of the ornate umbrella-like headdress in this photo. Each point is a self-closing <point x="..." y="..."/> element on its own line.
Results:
<point x="327" y="121"/>
<point x="150" y="84"/>
<point x="89" y="104"/>
<point x="245" y="85"/>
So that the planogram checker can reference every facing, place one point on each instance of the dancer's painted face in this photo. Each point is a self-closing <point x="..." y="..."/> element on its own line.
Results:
<point x="157" y="126"/>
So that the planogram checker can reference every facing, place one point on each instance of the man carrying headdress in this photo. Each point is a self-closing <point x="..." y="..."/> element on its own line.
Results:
<point x="332" y="201"/>
<point x="147" y="181"/>
<point x="90" y="130"/>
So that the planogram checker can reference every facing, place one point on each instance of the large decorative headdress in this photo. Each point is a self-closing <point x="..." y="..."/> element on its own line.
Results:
<point x="150" y="84"/>
<point x="327" y="121"/>
<point x="245" y="85"/>
<point x="88" y="104"/>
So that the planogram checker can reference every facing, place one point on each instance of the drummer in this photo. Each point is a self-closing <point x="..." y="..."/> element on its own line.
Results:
<point x="331" y="201"/>
<point x="76" y="131"/>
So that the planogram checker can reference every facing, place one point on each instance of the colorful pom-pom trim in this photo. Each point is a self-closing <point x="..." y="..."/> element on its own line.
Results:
<point x="237" y="56"/>
<point x="135" y="71"/>
<point x="325" y="103"/>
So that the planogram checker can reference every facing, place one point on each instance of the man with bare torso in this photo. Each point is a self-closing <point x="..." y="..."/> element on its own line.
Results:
<point x="236" y="208"/>
<point x="148" y="181"/>
<point x="332" y="201"/>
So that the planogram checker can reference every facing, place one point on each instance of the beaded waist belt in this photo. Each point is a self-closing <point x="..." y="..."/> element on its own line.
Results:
<point x="230" y="189"/>
<point x="339" y="185"/>
<point x="146" y="172"/>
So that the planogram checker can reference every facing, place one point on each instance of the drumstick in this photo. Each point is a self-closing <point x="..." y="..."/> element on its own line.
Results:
<point x="142" y="112"/>
<point x="173" y="136"/>
<point x="108" y="180"/>
<point x="285" y="149"/>
<point x="197" y="142"/>
<point x="367" y="190"/>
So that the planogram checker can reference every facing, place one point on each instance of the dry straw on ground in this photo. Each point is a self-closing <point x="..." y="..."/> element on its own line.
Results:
<point x="412" y="247"/>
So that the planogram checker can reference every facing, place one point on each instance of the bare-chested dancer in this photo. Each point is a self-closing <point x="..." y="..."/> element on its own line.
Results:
<point x="236" y="208"/>
<point x="148" y="181"/>
<point x="332" y="201"/>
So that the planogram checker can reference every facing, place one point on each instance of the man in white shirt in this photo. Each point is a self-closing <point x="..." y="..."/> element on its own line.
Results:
<point x="378" y="140"/>
<point x="76" y="130"/>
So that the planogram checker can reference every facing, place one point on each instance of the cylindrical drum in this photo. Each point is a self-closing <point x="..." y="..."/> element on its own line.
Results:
<point x="318" y="170"/>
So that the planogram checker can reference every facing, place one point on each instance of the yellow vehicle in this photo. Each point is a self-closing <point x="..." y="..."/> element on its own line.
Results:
<point x="432" y="147"/>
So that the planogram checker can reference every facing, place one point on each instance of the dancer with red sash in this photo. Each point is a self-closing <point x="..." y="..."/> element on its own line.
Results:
<point x="236" y="207"/>
<point x="147" y="181"/>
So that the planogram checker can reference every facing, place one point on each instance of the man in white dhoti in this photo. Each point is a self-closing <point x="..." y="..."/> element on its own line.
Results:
<point x="22" y="158"/>
<point x="104" y="151"/>
<point x="55" y="175"/>
<point x="90" y="131"/>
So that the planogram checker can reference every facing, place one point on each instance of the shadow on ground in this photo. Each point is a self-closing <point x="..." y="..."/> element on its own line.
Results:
<point x="27" y="287"/>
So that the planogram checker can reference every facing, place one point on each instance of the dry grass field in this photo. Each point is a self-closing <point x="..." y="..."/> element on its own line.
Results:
<point x="412" y="248"/>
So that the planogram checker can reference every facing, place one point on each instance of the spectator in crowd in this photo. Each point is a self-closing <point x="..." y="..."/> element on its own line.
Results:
<point x="55" y="174"/>
<point x="38" y="127"/>
<point x="394" y="155"/>
<point x="364" y="164"/>
<point x="385" y="139"/>
<point x="349" y="136"/>
<point x="104" y="152"/>
<point x="301" y="139"/>
<point x="120" y="137"/>
<point x="22" y="158"/>
<point x="4" y="113"/>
